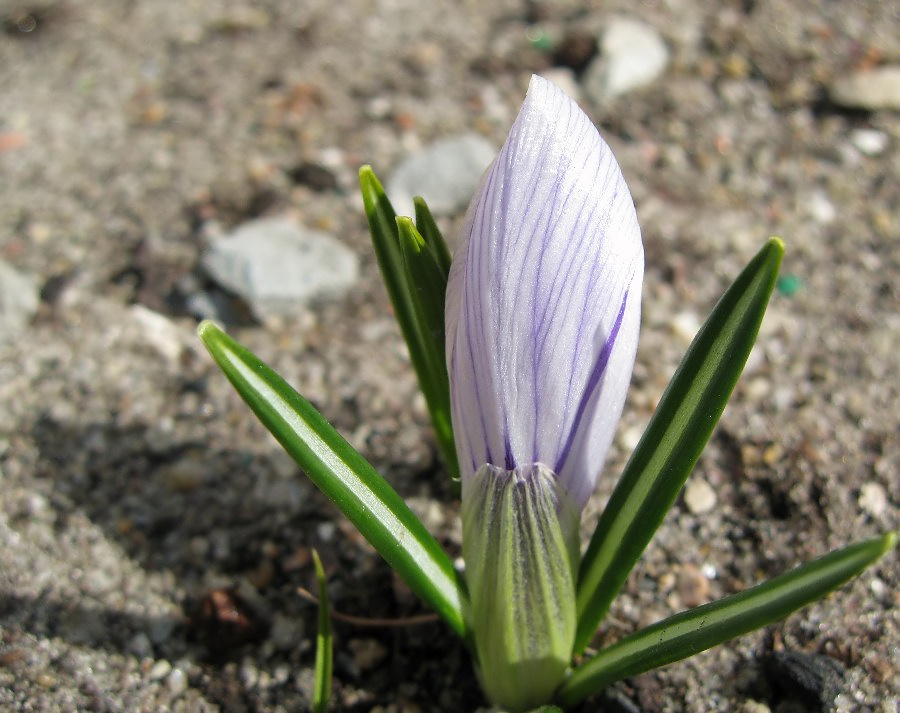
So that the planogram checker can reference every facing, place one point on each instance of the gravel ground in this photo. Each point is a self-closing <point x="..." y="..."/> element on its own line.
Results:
<point x="152" y="537"/>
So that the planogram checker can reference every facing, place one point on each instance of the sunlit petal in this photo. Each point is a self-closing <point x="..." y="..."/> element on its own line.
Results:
<point x="543" y="302"/>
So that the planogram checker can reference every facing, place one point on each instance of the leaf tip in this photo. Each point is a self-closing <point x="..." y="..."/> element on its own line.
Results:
<point x="206" y="327"/>
<point x="317" y="564"/>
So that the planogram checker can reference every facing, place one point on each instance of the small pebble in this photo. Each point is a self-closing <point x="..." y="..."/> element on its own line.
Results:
<point x="685" y="326"/>
<point x="879" y="590"/>
<point x="19" y="298"/>
<point x="699" y="496"/>
<point x="821" y="209"/>
<point x="754" y="707"/>
<point x="772" y="454"/>
<point x="632" y="55"/>
<point x="783" y="398"/>
<point x="709" y="571"/>
<point x="757" y="389"/>
<point x="378" y="108"/>
<point x="177" y="681"/>
<point x="326" y="531"/>
<point x="160" y="332"/>
<point x="872" y="89"/>
<point x="692" y="586"/>
<point x="160" y="670"/>
<point x="871" y="142"/>
<point x="249" y="674"/>
<point x="873" y="499"/>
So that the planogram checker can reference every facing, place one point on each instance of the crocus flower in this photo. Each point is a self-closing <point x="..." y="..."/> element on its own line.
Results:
<point x="542" y="314"/>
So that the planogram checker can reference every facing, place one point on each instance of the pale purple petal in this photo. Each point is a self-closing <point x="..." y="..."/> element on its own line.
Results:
<point x="543" y="302"/>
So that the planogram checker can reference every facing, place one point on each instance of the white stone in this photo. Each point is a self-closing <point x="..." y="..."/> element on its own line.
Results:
<point x="160" y="332"/>
<point x="685" y="326"/>
<point x="632" y="55"/>
<point x="446" y="174"/>
<point x="873" y="499"/>
<point x="871" y="142"/>
<point x="177" y="681"/>
<point x="274" y="264"/>
<point x="19" y="298"/>
<point x="160" y="670"/>
<point x="699" y="496"/>
<point x="872" y="89"/>
<point x="820" y="208"/>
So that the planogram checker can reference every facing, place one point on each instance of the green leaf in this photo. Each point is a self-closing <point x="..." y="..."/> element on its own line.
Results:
<point x="428" y="284"/>
<point x="675" y="437"/>
<point x="366" y="499"/>
<point x="696" y="630"/>
<point x="324" y="653"/>
<point x="415" y="280"/>
<point x="432" y="235"/>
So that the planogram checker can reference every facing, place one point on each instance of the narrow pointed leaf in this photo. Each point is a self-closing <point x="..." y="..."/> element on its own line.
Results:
<point x="339" y="471"/>
<point x="677" y="433"/>
<point x="324" y="653"/>
<point x="428" y="284"/>
<point x="402" y="284"/>
<point x="432" y="235"/>
<point x="696" y="630"/>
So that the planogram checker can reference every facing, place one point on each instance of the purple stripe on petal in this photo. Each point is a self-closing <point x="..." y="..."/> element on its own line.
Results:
<point x="543" y="299"/>
<point x="596" y="376"/>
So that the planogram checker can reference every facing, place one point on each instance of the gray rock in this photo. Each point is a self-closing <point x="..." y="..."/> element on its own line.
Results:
<point x="274" y="264"/>
<point x="19" y="298"/>
<point x="873" y="89"/>
<point x="632" y="54"/>
<point x="446" y="174"/>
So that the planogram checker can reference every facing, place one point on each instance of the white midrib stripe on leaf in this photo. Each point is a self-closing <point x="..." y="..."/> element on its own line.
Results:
<point x="376" y="509"/>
